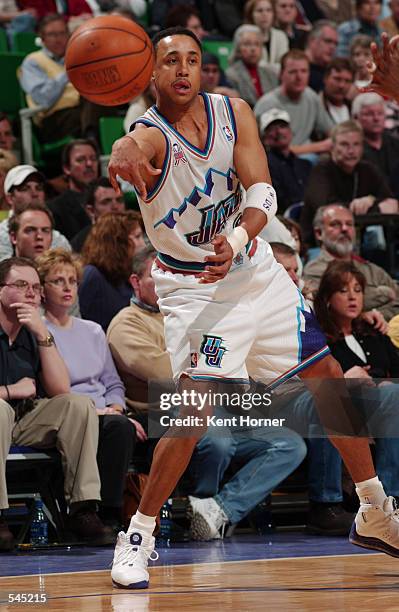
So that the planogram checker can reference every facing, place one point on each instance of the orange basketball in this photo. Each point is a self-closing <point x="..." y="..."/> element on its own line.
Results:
<point x="109" y="59"/>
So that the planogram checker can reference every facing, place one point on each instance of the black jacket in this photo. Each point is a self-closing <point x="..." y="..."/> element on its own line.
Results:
<point x="380" y="353"/>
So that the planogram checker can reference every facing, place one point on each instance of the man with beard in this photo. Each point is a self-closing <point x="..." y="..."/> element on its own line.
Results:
<point x="335" y="230"/>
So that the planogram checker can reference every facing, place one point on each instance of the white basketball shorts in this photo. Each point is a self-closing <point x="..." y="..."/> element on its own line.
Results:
<point x="253" y="323"/>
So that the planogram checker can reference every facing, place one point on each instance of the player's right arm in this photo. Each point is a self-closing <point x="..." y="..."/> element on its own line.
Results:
<point x="137" y="158"/>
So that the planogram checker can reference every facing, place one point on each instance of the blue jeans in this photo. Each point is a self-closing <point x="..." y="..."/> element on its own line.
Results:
<point x="380" y="407"/>
<point x="266" y="457"/>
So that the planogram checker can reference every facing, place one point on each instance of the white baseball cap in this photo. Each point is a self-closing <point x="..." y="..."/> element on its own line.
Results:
<point x="274" y="114"/>
<point x="17" y="175"/>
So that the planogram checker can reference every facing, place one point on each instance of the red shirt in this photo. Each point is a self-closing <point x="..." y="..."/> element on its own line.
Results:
<point x="45" y="7"/>
<point x="253" y="71"/>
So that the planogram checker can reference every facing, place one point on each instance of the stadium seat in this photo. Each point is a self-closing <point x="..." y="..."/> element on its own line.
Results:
<point x="24" y="42"/>
<point x="221" y="49"/>
<point x="3" y="41"/>
<point x="111" y="128"/>
<point x="11" y="99"/>
<point x="31" y="471"/>
<point x="40" y="155"/>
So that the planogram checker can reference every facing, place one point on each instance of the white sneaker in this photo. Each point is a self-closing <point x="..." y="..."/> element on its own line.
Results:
<point x="129" y="567"/>
<point x="208" y="521"/>
<point x="377" y="527"/>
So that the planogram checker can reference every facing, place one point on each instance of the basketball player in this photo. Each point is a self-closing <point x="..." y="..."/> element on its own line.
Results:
<point x="230" y="310"/>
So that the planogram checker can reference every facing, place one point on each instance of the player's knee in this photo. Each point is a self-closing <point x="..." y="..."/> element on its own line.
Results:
<point x="327" y="368"/>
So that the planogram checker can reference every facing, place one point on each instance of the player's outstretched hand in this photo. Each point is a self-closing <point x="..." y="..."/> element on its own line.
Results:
<point x="384" y="70"/>
<point x="129" y="162"/>
<point x="220" y="262"/>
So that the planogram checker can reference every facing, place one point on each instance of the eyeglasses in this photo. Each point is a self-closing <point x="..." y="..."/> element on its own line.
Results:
<point x="62" y="34"/>
<point x="23" y="286"/>
<point x="62" y="282"/>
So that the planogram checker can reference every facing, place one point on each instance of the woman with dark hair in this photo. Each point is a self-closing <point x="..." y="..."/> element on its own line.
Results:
<point x="107" y="255"/>
<point x="362" y="351"/>
<point x="368" y="359"/>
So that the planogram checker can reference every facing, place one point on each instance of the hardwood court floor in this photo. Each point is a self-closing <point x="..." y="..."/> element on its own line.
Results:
<point x="343" y="583"/>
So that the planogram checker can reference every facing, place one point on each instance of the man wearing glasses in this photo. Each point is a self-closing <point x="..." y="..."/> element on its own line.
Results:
<point x="36" y="406"/>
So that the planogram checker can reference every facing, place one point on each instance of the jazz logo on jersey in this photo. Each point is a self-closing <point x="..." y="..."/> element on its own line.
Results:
<point x="178" y="154"/>
<point x="213" y="350"/>
<point x="228" y="133"/>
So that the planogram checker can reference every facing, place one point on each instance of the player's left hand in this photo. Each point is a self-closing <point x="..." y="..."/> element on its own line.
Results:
<point x="220" y="262"/>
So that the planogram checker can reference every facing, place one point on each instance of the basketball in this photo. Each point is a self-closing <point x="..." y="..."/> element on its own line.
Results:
<point x="109" y="59"/>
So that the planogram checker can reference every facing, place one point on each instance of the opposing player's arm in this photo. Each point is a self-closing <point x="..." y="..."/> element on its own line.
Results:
<point x="253" y="171"/>
<point x="135" y="158"/>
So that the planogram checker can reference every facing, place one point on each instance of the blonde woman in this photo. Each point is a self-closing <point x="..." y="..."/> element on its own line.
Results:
<point x="84" y="348"/>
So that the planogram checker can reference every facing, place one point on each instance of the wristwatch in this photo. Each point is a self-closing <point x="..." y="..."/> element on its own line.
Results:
<point x="48" y="341"/>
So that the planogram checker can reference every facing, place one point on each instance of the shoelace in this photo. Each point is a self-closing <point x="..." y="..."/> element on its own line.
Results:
<point x="127" y="555"/>
<point x="220" y="522"/>
<point x="395" y="513"/>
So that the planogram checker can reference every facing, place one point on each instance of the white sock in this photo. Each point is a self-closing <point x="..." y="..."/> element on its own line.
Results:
<point x="143" y="523"/>
<point x="371" y="491"/>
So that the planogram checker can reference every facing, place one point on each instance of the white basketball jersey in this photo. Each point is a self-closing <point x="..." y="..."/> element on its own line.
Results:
<point x="198" y="194"/>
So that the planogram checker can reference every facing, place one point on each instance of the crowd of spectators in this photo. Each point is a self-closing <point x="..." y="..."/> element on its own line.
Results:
<point x="76" y="260"/>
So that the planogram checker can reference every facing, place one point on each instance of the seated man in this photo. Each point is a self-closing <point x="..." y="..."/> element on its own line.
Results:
<point x="101" y="198"/>
<point x="23" y="186"/>
<point x="321" y="44"/>
<point x="287" y="257"/>
<point x="289" y="172"/>
<point x="45" y="82"/>
<point x="381" y="148"/>
<point x="15" y="18"/>
<point x="36" y="407"/>
<point x="31" y="231"/>
<point x="137" y="342"/>
<point x="335" y="230"/>
<point x="303" y="105"/>
<point x="338" y="81"/>
<point x="213" y="79"/>
<point x="80" y="165"/>
<point x="346" y="178"/>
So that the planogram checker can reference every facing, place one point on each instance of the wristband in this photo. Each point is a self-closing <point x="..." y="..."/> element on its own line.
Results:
<point x="263" y="197"/>
<point x="8" y="393"/>
<point x="238" y="239"/>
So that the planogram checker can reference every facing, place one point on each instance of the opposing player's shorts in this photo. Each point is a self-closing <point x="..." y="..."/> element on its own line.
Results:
<point x="253" y="323"/>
